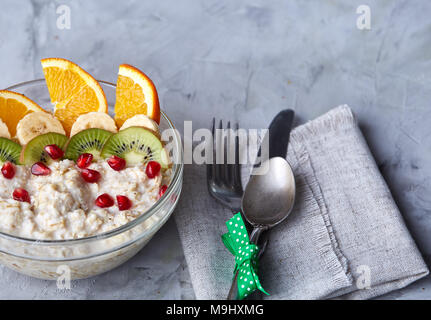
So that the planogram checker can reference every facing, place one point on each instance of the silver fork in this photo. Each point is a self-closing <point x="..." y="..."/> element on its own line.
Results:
<point x="224" y="179"/>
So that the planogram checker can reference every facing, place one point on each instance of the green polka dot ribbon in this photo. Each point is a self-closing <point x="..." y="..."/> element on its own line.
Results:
<point x="246" y="263"/>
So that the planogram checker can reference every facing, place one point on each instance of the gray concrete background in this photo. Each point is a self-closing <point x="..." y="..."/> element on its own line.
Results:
<point x="243" y="60"/>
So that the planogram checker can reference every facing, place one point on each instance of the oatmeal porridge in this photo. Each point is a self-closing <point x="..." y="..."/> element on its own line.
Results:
<point x="63" y="205"/>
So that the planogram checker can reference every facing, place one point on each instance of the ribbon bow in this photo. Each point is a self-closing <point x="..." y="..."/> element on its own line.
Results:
<point x="246" y="263"/>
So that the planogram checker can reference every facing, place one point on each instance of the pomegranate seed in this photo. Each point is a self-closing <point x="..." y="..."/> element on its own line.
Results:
<point x="153" y="169"/>
<point x="117" y="163"/>
<point x="20" y="194"/>
<point x="104" y="201"/>
<point x="40" y="169"/>
<point x="124" y="203"/>
<point x="54" y="151"/>
<point x="8" y="170"/>
<point x="90" y="176"/>
<point x="162" y="190"/>
<point x="84" y="160"/>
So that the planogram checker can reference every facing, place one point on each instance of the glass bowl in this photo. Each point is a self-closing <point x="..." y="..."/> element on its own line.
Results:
<point x="86" y="257"/>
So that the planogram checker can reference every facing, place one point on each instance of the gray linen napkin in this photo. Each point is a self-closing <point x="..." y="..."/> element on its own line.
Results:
<point x="344" y="239"/>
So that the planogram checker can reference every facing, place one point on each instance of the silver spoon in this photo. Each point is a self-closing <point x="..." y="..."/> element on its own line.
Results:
<point x="268" y="200"/>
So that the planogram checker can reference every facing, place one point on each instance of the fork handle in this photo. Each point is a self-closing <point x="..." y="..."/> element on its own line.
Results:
<point x="254" y="238"/>
<point x="233" y="292"/>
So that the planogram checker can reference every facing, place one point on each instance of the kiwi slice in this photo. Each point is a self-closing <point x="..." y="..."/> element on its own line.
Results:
<point x="87" y="141"/>
<point x="9" y="151"/>
<point x="136" y="145"/>
<point x="34" y="149"/>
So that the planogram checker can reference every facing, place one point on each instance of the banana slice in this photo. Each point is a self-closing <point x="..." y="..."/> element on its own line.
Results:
<point x="141" y="120"/>
<point x="4" y="131"/>
<point x="35" y="124"/>
<point x="90" y="120"/>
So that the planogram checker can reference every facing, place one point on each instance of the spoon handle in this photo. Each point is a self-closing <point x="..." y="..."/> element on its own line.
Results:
<point x="254" y="238"/>
<point x="255" y="234"/>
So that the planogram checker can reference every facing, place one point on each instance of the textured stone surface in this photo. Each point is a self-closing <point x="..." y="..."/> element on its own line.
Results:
<point x="243" y="60"/>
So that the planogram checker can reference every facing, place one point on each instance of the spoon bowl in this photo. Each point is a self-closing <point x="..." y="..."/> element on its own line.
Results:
<point x="268" y="198"/>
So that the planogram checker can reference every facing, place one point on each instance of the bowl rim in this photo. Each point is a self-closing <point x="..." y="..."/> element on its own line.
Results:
<point x="177" y="174"/>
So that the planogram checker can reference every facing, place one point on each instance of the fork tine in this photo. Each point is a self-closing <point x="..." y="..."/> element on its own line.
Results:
<point x="218" y="148"/>
<point x="237" y="184"/>
<point x="227" y="164"/>
<point x="210" y="163"/>
<point x="223" y="178"/>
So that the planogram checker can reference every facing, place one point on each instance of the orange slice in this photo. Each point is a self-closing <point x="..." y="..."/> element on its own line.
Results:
<point x="135" y="94"/>
<point x="13" y="107"/>
<point x="73" y="91"/>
